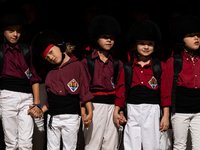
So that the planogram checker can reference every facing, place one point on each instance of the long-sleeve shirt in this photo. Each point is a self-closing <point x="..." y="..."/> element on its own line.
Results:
<point x="143" y="76"/>
<point x="15" y="65"/>
<point x="103" y="74"/>
<point x="70" y="78"/>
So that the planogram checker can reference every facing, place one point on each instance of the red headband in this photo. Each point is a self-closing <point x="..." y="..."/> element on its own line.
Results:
<point x="44" y="53"/>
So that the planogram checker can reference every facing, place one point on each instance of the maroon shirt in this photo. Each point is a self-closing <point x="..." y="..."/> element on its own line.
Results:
<point x="15" y="65"/>
<point x="70" y="78"/>
<point x="103" y="74"/>
<point x="190" y="73"/>
<point x="143" y="76"/>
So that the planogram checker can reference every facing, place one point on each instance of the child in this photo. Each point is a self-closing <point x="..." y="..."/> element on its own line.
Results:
<point x="185" y="83"/>
<point x="18" y="81"/>
<point x="145" y="93"/>
<point x="66" y="85"/>
<point x="104" y="73"/>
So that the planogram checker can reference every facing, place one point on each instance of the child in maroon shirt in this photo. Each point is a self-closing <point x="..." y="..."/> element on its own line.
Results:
<point x="185" y="33"/>
<point x="144" y="96"/>
<point x="104" y="75"/>
<point x="18" y="81"/>
<point x="67" y="88"/>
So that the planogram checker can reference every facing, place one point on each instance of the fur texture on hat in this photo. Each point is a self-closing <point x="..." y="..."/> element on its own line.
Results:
<point x="103" y="24"/>
<point x="183" y="25"/>
<point x="144" y="30"/>
<point x="43" y="39"/>
<point x="13" y="18"/>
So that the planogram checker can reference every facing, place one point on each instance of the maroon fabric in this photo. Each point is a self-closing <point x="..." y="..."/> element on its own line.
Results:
<point x="143" y="76"/>
<point x="103" y="72"/>
<point x="15" y="65"/>
<point x="70" y="78"/>
<point x="189" y="76"/>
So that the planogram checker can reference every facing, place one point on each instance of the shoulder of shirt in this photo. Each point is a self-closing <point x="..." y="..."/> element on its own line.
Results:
<point x="170" y="60"/>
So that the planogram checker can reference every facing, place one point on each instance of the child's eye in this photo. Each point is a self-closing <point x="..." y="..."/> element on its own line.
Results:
<point x="50" y="52"/>
<point x="150" y="44"/>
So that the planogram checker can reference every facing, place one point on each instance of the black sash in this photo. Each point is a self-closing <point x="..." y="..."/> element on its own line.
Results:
<point x="59" y="104"/>
<point x="187" y="100"/>
<point x="140" y="95"/>
<point x="104" y="99"/>
<point x="16" y="84"/>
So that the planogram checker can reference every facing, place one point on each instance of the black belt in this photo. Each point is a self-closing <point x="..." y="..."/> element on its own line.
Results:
<point x="16" y="84"/>
<point x="104" y="99"/>
<point x="140" y="95"/>
<point x="187" y="100"/>
<point x="59" y="104"/>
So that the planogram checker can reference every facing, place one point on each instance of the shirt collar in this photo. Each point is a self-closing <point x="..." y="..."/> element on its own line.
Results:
<point x="7" y="47"/>
<point x="95" y="55"/>
<point x="72" y="59"/>
<point x="135" y="63"/>
<point x="187" y="56"/>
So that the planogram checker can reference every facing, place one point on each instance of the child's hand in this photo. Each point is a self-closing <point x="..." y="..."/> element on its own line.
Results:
<point x="87" y="120"/>
<point x="34" y="111"/>
<point x="119" y="119"/>
<point x="164" y="124"/>
<point x="123" y="119"/>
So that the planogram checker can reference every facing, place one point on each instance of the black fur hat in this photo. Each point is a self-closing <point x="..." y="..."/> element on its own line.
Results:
<point x="183" y="25"/>
<point x="103" y="24"/>
<point x="13" y="18"/>
<point x="144" y="30"/>
<point x="44" y="39"/>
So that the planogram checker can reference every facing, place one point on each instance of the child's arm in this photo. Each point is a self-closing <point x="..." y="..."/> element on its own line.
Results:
<point x="36" y="93"/>
<point x="87" y="119"/>
<point x="118" y="117"/>
<point x="34" y="110"/>
<point x="164" y="124"/>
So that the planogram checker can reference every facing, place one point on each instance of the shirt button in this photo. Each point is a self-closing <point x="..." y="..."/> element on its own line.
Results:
<point x="141" y="71"/>
<point x="141" y="82"/>
<point x="60" y="91"/>
<point x="195" y="87"/>
<point x="195" y="75"/>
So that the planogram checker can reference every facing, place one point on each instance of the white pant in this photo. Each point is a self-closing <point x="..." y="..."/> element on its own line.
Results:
<point x="65" y="126"/>
<point x="102" y="133"/>
<point x="180" y="124"/>
<point x="17" y="124"/>
<point x="142" y="128"/>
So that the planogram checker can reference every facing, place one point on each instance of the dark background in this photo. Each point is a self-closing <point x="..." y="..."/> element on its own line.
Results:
<point x="71" y="19"/>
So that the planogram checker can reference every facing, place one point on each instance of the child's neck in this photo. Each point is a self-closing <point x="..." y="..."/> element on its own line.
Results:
<point x="191" y="53"/>
<point x="143" y="60"/>
<point x="65" y="59"/>
<point x="103" y="55"/>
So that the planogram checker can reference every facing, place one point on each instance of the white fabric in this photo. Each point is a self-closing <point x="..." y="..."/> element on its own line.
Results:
<point x="65" y="126"/>
<point x="142" y="128"/>
<point x="102" y="133"/>
<point x="166" y="140"/>
<point x="17" y="124"/>
<point x="180" y="124"/>
<point x="39" y="131"/>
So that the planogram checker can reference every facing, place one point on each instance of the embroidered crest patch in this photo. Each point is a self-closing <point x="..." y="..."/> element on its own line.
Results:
<point x="73" y="85"/>
<point x="28" y="73"/>
<point x="153" y="82"/>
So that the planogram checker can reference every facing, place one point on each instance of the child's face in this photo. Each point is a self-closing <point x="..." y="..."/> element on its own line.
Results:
<point x="106" y="41"/>
<point x="192" y="41"/>
<point x="12" y="36"/>
<point x="145" y="47"/>
<point x="54" y="55"/>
